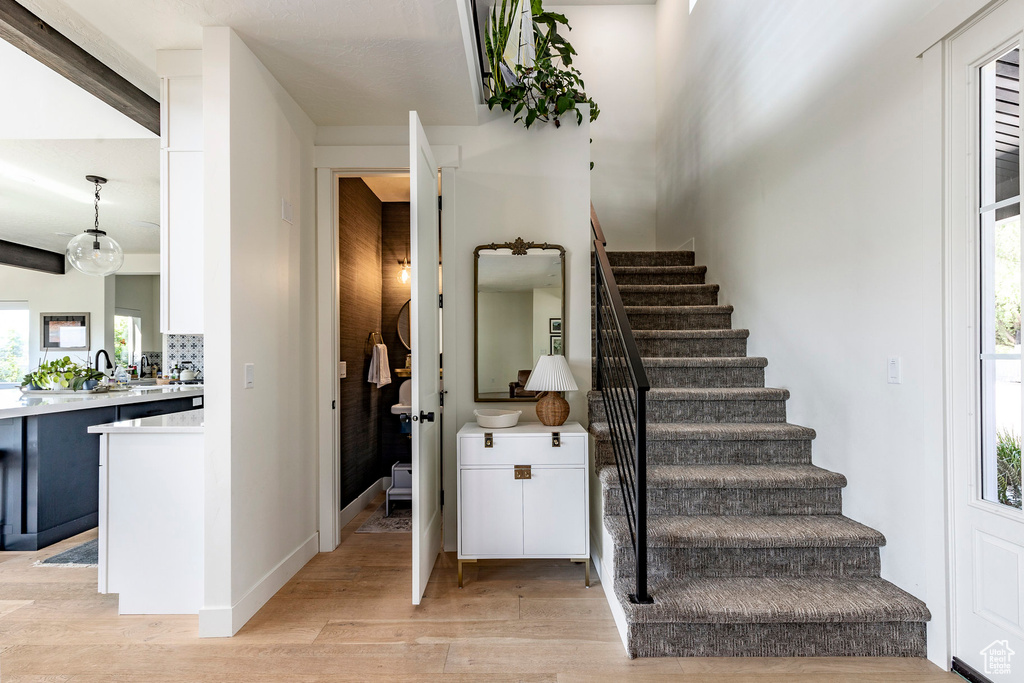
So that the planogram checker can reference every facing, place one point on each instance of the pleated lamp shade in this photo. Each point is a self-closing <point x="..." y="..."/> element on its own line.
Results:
<point x="551" y="374"/>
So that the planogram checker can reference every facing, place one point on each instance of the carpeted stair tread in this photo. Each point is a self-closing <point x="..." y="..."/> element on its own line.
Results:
<point x="767" y="600"/>
<point x="658" y="270"/>
<point x="678" y="310"/>
<point x="705" y="362"/>
<point x="753" y="531"/>
<point x="658" y="289"/>
<point x="714" y="394"/>
<point x="717" y="431"/>
<point x="742" y="476"/>
<point x="690" y="334"/>
<point x="651" y="258"/>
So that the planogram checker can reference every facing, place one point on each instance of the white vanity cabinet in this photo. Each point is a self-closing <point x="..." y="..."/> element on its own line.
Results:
<point x="523" y="493"/>
<point x="181" y="191"/>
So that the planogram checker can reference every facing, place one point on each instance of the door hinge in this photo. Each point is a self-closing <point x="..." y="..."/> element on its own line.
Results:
<point x="440" y="300"/>
<point x="442" y="497"/>
<point x="438" y="202"/>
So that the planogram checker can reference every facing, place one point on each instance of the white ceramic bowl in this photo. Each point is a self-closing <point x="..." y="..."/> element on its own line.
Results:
<point x="497" y="419"/>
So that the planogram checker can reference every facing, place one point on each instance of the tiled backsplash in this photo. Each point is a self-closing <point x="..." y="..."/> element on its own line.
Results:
<point x="183" y="347"/>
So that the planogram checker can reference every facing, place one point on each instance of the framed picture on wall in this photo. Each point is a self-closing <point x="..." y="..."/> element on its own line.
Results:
<point x="64" y="332"/>
<point x="555" y="325"/>
<point x="556" y="345"/>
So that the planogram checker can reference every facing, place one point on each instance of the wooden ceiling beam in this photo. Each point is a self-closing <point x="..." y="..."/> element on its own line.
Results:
<point x="32" y="258"/>
<point x="38" y="39"/>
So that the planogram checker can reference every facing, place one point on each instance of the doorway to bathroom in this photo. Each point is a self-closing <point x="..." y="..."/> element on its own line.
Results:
<point x="374" y="396"/>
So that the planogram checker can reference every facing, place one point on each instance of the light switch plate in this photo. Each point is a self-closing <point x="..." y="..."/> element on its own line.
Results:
<point x="287" y="211"/>
<point x="342" y="369"/>
<point x="250" y="375"/>
<point x="894" y="370"/>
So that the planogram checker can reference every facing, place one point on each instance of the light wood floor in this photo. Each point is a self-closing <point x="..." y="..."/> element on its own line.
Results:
<point x="347" y="617"/>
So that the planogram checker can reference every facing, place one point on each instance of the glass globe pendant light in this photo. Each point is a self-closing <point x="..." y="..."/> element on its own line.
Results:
<point x="93" y="252"/>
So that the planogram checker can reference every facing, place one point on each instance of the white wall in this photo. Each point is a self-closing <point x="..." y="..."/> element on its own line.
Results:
<point x="791" y="147"/>
<point x="73" y="292"/>
<point x="511" y="182"/>
<point x="260" y="293"/>
<point x="616" y="56"/>
<point x="505" y="338"/>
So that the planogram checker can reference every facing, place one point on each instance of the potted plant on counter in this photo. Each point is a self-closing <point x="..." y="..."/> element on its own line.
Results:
<point x="62" y="374"/>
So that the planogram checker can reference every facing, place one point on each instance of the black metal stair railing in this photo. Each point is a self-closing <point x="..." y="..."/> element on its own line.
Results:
<point x="623" y="383"/>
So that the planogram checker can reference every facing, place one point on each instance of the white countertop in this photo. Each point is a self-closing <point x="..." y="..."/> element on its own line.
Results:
<point x="187" y="422"/>
<point x="14" y="403"/>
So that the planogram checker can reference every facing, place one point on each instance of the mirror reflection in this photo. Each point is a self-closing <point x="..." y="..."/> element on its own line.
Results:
<point x="520" y="311"/>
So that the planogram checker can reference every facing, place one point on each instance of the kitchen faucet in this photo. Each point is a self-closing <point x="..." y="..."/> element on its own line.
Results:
<point x="106" y="355"/>
<point x="143" y="366"/>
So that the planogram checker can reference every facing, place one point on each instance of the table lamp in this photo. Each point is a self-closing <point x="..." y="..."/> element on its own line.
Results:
<point x="552" y="375"/>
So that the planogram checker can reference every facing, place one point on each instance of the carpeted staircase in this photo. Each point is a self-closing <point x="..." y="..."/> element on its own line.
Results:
<point x="749" y="552"/>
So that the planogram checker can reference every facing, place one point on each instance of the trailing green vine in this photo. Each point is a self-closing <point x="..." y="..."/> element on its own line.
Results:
<point x="549" y="89"/>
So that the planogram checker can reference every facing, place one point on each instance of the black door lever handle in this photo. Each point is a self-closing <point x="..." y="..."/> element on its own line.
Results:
<point x="426" y="417"/>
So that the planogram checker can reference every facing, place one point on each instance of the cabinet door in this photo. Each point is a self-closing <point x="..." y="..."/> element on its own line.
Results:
<point x="555" y="512"/>
<point x="491" y="513"/>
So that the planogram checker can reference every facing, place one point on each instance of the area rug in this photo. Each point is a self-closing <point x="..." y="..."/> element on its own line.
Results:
<point x="85" y="555"/>
<point x="400" y="522"/>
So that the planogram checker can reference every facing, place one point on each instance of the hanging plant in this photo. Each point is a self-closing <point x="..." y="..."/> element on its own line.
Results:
<point x="539" y="84"/>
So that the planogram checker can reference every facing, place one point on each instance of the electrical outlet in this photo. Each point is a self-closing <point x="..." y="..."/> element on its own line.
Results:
<point x="894" y="368"/>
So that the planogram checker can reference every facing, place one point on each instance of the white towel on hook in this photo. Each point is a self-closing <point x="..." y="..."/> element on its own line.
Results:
<point x="380" y="368"/>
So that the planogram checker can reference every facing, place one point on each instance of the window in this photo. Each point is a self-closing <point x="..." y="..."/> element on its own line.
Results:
<point x="14" y="328"/>
<point x="127" y="338"/>
<point x="1000" y="309"/>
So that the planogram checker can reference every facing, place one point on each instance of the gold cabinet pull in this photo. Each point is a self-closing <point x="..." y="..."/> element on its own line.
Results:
<point x="556" y="440"/>
<point x="488" y="440"/>
<point x="523" y="472"/>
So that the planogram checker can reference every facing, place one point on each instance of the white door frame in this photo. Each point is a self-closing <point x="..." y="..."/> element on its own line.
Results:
<point x="332" y="163"/>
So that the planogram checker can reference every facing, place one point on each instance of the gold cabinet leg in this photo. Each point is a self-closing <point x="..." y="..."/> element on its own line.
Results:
<point x="462" y="562"/>
<point x="586" y="565"/>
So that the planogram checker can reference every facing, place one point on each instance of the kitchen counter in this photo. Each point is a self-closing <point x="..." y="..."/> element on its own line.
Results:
<point x="49" y="456"/>
<point x="188" y="422"/>
<point x="15" y="403"/>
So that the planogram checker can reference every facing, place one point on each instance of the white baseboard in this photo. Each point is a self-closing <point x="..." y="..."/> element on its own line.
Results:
<point x="223" y="622"/>
<point x="618" y="614"/>
<point x="349" y="512"/>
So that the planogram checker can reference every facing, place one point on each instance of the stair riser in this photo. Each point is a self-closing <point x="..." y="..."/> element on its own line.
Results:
<point x="731" y="562"/>
<point x="692" y="348"/>
<point x="705" y="411"/>
<point x="861" y="639"/>
<point x="680" y="321"/>
<point x="745" y="501"/>
<point x="668" y="378"/>
<point x="651" y="258"/>
<point x="658" y="278"/>
<point x="688" y="348"/>
<point x="685" y="297"/>
<point x="716" y="453"/>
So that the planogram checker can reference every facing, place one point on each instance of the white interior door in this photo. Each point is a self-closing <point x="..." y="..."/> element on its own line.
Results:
<point x="425" y="319"/>
<point x="985" y="277"/>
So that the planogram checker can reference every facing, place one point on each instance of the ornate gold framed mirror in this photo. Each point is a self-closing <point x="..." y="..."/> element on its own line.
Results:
<point x="518" y="315"/>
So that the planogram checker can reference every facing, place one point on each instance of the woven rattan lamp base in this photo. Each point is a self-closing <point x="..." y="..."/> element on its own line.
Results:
<point x="552" y="409"/>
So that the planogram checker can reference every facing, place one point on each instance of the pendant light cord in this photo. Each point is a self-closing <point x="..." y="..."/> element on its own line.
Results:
<point x="96" y="205"/>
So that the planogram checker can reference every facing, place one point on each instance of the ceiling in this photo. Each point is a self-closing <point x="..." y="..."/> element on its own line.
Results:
<point x="389" y="188"/>
<point x="346" y="62"/>
<point x="43" y="191"/>
<point x="503" y="272"/>
<point x="45" y="105"/>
